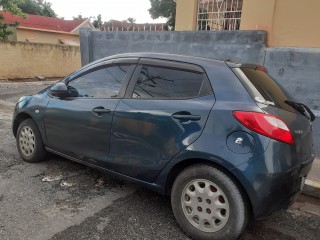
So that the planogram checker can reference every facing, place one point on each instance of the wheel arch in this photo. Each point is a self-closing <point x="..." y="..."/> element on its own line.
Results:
<point x="18" y="120"/>
<point x="180" y="166"/>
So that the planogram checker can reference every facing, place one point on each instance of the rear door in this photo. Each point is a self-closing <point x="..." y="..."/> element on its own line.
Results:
<point x="272" y="96"/>
<point x="165" y="109"/>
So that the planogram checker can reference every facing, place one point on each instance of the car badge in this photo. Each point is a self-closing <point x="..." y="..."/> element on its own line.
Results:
<point x="298" y="131"/>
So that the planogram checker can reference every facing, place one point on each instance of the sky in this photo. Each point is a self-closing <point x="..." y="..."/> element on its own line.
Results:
<point x="109" y="9"/>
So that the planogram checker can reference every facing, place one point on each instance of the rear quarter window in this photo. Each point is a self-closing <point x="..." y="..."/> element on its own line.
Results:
<point x="267" y="87"/>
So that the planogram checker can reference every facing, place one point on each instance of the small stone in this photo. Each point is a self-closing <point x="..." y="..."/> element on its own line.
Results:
<point x="40" y="78"/>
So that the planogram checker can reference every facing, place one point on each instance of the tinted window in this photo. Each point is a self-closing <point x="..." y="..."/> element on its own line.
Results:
<point x="269" y="89"/>
<point x="104" y="82"/>
<point x="166" y="83"/>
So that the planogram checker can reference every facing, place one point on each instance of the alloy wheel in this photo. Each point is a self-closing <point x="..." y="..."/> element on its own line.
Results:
<point x="27" y="141"/>
<point x="205" y="205"/>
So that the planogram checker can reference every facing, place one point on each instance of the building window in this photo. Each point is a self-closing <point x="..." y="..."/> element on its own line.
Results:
<point x="219" y="14"/>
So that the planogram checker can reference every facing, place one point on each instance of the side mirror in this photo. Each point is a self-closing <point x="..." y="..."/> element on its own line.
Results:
<point x="59" y="90"/>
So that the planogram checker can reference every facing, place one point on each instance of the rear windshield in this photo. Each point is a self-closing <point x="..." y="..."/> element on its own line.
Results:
<point x="269" y="89"/>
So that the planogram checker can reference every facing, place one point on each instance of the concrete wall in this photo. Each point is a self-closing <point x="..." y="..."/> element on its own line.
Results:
<point x="238" y="45"/>
<point x="297" y="69"/>
<point x="27" y="60"/>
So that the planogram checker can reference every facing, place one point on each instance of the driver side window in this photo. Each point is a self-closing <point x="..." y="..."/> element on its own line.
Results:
<point x="102" y="82"/>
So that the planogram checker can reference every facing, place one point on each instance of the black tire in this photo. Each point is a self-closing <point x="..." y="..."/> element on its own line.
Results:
<point x="28" y="131"/>
<point x="237" y="206"/>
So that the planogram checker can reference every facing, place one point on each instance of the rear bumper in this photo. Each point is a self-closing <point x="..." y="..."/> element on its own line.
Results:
<point x="271" y="192"/>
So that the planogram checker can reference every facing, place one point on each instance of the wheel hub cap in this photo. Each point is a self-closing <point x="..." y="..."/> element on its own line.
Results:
<point x="27" y="141"/>
<point x="205" y="205"/>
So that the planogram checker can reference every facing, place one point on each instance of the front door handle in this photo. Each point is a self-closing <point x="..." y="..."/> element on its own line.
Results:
<point x="186" y="116"/>
<point x="101" y="111"/>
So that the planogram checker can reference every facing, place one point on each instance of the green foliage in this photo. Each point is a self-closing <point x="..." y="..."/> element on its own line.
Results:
<point x="47" y="9"/>
<point x="37" y="7"/>
<point x="5" y="31"/>
<point x="164" y="8"/>
<point x="12" y="7"/>
<point x="131" y="20"/>
<point x="97" y="23"/>
<point x="79" y="17"/>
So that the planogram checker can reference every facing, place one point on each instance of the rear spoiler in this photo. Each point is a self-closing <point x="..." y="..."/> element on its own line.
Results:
<point x="246" y="65"/>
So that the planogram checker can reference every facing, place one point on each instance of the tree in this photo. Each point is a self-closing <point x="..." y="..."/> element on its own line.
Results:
<point x="79" y="17"/>
<point x="47" y="9"/>
<point x="12" y="7"/>
<point x="37" y="7"/>
<point x="131" y="20"/>
<point x="164" y="8"/>
<point x="97" y="23"/>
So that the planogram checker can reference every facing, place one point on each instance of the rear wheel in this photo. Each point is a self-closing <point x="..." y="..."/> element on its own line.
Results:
<point x="207" y="204"/>
<point x="29" y="142"/>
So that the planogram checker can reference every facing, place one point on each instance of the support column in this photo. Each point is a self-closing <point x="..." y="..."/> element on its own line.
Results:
<point x="186" y="15"/>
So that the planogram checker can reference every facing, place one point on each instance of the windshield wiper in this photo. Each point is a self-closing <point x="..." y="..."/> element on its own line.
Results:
<point x="302" y="108"/>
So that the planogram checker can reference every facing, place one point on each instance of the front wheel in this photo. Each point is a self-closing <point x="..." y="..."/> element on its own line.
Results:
<point x="208" y="205"/>
<point x="29" y="142"/>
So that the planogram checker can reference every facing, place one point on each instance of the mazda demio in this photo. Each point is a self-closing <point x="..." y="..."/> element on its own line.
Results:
<point x="224" y="140"/>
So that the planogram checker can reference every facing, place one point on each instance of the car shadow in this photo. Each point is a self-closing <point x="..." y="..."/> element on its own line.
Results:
<point x="145" y="214"/>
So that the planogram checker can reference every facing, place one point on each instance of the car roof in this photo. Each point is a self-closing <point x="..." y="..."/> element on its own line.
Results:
<point x="162" y="56"/>
<point x="200" y="61"/>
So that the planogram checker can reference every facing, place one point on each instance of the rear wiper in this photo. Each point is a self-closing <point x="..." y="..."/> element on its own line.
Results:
<point x="311" y="114"/>
<point x="302" y="108"/>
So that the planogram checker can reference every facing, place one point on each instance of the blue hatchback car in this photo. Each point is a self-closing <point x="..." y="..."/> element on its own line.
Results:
<point x="223" y="139"/>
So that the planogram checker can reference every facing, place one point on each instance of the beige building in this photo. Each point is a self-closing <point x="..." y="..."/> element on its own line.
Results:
<point x="289" y="23"/>
<point x="40" y="29"/>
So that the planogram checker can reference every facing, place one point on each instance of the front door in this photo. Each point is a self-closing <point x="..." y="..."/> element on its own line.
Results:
<point x="80" y="124"/>
<point x="163" y="113"/>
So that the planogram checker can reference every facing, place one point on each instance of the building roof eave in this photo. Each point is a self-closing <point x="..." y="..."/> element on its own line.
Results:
<point x="83" y="23"/>
<point x="45" y="30"/>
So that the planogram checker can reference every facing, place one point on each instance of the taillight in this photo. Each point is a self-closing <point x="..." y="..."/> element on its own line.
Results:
<point x="265" y="124"/>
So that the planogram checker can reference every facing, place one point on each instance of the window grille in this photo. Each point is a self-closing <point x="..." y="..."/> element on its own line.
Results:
<point x="219" y="14"/>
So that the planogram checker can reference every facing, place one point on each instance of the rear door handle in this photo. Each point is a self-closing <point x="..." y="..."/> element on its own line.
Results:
<point x="101" y="111"/>
<point x="186" y="116"/>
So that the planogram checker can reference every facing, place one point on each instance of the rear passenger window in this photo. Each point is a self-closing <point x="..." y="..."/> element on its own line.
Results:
<point x="167" y="83"/>
<point x="269" y="89"/>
